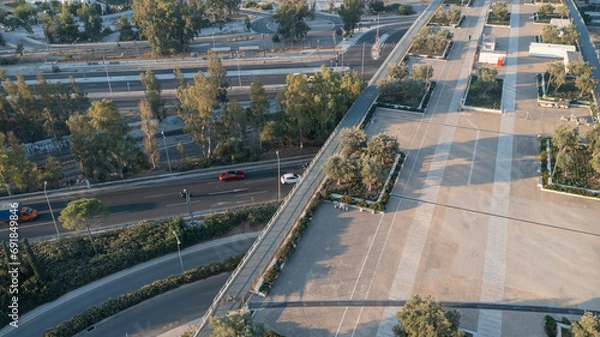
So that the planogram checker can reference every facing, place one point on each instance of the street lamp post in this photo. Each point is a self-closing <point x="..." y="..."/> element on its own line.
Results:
<point x="50" y="208"/>
<point x="162" y="132"/>
<point x="188" y="200"/>
<point x="278" y="176"/>
<point x="179" y="251"/>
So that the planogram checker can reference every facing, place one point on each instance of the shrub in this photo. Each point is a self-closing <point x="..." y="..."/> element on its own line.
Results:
<point x="550" y="326"/>
<point x="70" y="263"/>
<point x="113" y="306"/>
<point x="271" y="273"/>
<point x="284" y="252"/>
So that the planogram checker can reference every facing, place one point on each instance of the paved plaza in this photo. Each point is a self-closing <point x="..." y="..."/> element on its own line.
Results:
<point x="466" y="220"/>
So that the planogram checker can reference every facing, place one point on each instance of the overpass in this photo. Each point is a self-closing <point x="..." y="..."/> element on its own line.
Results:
<point x="239" y="287"/>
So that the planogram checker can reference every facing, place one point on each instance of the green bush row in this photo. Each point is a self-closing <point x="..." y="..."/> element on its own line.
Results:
<point x="69" y="263"/>
<point x="113" y="306"/>
<point x="285" y="251"/>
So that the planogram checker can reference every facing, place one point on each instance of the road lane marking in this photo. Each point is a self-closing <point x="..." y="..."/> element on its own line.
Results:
<point x="473" y="158"/>
<point x="237" y="190"/>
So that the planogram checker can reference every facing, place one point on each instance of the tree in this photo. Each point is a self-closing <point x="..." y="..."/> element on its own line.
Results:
<point x="412" y="91"/>
<point x="352" y="140"/>
<point x="259" y="108"/>
<point x="296" y="101"/>
<point x="570" y="35"/>
<point x="99" y="141"/>
<point x="152" y="91"/>
<point x="426" y="317"/>
<point x="382" y="146"/>
<point x="580" y="68"/>
<point x="546" y="10"/>
<point x="454" y="14"/>
<point x="550" y="34"/>
<point x="52" y="172"/>
<point x="19" y="49"/>
<point x="340" y="168"/>
<point x="217" y="76"/>
<point x="499" y="10"/>
<point x="179" y="78"/>
<point x="290" y="16"/>
<point x="566" y="139"/>
<point x="422" y="72"/>
<point x="149" y="128"/>
<point x="91" y="20"/>
<point x="556" y="75"/>
<point x="196" y="109"/>
<point x="398" y="71"/>
<point x="84" y="213"/>
<point x="236" y="324"/>
<point x="585" y="83"/>
<point x="353" y="84"/>
<point x="24" y="12"/>
<point x="33" y="261"/>
<point x="67" y="28"/>
<point x="563" y="11"/>
<point x="588" y="326"/>
<point x="168" y="25"/>
<point x="486" y="80"/>
<point x="350" y="12"/>
<point x="16" y="170"/>
<point x="234" y="120"/>
<point x="371" y="171"/>
<point x="126" y="32"/>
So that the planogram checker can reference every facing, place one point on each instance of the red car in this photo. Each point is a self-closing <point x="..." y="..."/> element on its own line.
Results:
<point x="231" y="175"/>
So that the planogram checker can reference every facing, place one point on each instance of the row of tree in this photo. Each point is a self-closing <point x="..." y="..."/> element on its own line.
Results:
<point x="582" y="71"/>
<point x="565" y="35"/>
<point x="447" y="16"/>
<point x="39" y="111"/>
<point x="398" y="86"/>
<point x="429" y="41"/>
<point x="572" y="158"/>
<point x="361" y="160"/>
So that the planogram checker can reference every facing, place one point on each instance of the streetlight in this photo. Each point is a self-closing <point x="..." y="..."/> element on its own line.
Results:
<point x="188" y="200"/>
<point x="162" y="132"/>
<point x="179" y="251"/>
<point x="51" y="211"/>
<point x="278" y="176"/>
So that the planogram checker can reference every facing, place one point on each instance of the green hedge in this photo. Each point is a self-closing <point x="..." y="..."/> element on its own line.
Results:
<point x="67" y="264"/>
<point x="113" y="306"/>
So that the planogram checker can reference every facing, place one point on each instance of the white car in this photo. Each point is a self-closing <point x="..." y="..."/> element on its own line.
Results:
<point x="290" y="178"/>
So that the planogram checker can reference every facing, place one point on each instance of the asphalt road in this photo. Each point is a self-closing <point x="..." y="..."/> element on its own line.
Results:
<point x="164" y="312"/>
<point x="143" y="274"/>
<point x="161" y="199"/>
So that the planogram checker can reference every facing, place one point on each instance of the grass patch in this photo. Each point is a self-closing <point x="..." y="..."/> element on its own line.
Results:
<point x="491" y="100"/>
<point x="491" y="20"/>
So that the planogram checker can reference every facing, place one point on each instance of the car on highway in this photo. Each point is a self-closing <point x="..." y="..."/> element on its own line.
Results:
<point x="290" y="178"/>
<point x="231" y="175"/>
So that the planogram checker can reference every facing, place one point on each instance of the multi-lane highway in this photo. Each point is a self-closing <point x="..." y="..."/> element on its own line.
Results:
<point x="160" y="197"/>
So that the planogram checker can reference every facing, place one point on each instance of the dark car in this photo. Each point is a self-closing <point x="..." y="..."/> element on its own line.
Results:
<point x="231" y="175"/>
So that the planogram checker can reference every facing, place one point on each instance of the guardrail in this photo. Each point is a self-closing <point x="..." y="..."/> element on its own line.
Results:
<point x="424" y="17"/>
